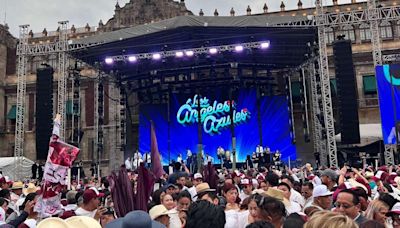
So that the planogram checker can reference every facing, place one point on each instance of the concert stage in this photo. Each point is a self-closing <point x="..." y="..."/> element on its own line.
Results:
<point x="235" y="67"/>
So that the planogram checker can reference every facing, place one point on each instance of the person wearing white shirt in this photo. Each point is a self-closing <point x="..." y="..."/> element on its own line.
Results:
<point x="306" y="191"/>
<point x="197" y="179"/>
<point x="247" y="189"/>
<point x="322" y="199"/>
<point x="295" y="196"/>
<point x="293" y="207"/>
<point x="128" y="163"/>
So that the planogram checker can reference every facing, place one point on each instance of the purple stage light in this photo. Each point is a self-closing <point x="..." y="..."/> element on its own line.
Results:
<point x="109" y="61"/>
<point x="189" y="53"/>
<point x="264" y="45"/>
<point x="213" y="51"/>
<point x="179" y="54"/>
<point x="132" y="59"/>
<point x="239" y="48"/>
<point x="157" y="56"/>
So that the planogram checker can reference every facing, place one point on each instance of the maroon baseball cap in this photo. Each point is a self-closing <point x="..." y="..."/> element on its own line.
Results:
<point x="91" y="193"/>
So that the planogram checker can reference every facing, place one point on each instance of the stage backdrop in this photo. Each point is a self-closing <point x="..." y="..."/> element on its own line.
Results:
<point x="182" y="128"/>
<point x="388" y="78"/>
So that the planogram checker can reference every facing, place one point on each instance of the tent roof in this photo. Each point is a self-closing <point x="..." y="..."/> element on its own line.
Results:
<point x="191" y="21"/>
<point x="288" y="48"/>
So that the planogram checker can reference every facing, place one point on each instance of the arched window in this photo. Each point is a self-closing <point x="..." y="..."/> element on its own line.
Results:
<point x="365" y="32"/>
<point x="386" y="30"/>
<point x="348" y="31"/>
<point x="329" y="35"/>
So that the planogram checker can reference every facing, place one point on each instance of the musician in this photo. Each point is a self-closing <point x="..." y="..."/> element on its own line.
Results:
<point x="255" y="159"/>
<point x="277" y="158"/>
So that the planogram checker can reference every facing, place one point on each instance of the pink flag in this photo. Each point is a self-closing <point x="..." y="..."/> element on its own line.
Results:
<point x="156" y="166"/>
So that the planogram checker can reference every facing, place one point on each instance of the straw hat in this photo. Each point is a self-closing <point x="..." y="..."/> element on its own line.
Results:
<point x="17" y="185"/>
<point x="82" y="222"/>
<point x="30" y="188"/>
<point x="158" y="211"/>
<point x="203" y="187"/>
<point x="53" y="222"/>
<point x="277" y="194"/>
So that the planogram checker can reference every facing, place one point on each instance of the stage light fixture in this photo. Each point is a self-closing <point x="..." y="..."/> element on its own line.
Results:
<point x="132" y="59"/>
<point x="264" y="45"/>
<point x="189" y="53"/>
<point x="239" y="48"/>
<point x="157" y="56"/>
<point x="213" y="51"/>
<point x="179" y="54"/>
<point x="109" y="61"/>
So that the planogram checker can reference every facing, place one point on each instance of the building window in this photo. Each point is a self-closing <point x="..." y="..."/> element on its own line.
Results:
<point x="365" y="32"/>
<point x="348" y="31"/>
<point x="386" y="30"/>
<point x="329" y="35"/>
<point x="369" y="84"/>
<point x="333" y="86"/>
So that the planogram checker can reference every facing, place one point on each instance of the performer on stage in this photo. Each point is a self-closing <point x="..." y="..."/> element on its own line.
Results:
<point x="189" y="160"/>
<point x="259" y="149"/>
<point x="255" y="160"/>
<point x="179" y="158"/>
<point x="221" y="155"/>
<point x="228" y="162"/>
<point x="277" y="159"/>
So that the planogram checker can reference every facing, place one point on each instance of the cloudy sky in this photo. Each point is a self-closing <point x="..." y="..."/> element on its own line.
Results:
<point x="46" y="13"/>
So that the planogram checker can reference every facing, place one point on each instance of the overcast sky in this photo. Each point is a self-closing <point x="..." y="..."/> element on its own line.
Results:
<point x="46" y="13"/>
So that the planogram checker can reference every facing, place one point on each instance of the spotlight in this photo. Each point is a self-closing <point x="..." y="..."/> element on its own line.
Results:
<point x="213" y="51"/>
<point x="109" y="61"/>
<point x="132" y="59"/>
<point x="157" y="56"/>
<point x="239" y="48"/>
<point x="189" y="53"/>
<point x="264" y="45"/>
<point x="179" y="54"/>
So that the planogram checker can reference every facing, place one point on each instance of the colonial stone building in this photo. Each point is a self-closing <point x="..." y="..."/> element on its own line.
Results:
<point x="148" y="11"/>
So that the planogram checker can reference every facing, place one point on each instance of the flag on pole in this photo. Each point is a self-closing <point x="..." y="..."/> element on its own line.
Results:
<point x="156" y="166"/>
<point x="59" y="159"/>
<point x="145" y="186"/>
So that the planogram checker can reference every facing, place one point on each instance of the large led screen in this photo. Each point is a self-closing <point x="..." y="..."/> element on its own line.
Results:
<point x="388" y="78"/>
<point x="177" y="125"/>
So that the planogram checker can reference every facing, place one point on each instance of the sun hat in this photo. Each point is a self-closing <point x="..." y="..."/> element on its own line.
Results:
<point x="158" y="211"/>
<point x="53" y="222"/>
<point x="203" y="187"/>
<point x="83" y="222"/>
<point x="30" y="188"/>
<point x="135" y="219"/>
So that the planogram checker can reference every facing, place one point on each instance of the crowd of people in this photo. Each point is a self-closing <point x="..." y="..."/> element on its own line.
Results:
<point x="256" y="197"/>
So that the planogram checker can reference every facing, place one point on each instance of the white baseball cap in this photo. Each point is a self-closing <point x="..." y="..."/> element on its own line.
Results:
<point x="321" y="190"/>
<point x="197" y="176"/>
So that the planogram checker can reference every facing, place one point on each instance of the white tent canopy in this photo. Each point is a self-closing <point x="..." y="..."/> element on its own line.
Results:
<point x="8" y="167"/>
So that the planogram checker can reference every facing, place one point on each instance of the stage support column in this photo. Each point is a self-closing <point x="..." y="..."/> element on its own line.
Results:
<point x="232" y="129"/>
<point x="200" y="136"/>
<point x="259" y="120"/>
<point x="169" y="126"/>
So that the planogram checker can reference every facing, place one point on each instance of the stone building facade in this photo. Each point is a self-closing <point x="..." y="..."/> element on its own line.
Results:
<point x="147" y="11"/>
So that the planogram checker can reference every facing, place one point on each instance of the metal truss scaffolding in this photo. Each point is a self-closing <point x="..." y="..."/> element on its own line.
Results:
<point x="319" y="142"/>
<point x="22" y="71"/>
<point x="326" y="88"/>
<point x="62" y="75"/>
